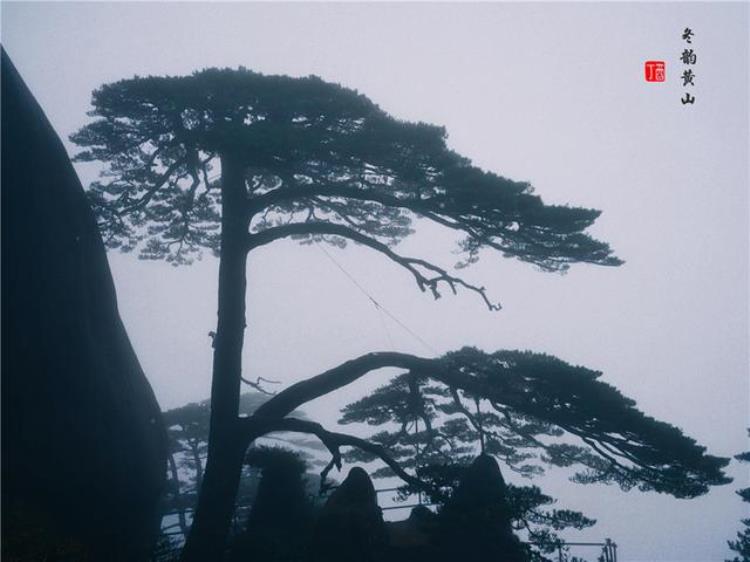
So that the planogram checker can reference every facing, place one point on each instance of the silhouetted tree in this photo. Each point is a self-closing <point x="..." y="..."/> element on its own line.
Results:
<point x="435" y="427"/>
<point x="308" y="160"/>
<point x="188" y="429"/>
<point x="175" y="499"/>
<point x="519" y="407"/>
<point x="742" y="544"/>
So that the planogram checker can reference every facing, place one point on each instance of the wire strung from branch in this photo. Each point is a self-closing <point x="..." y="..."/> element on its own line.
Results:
<point x="375" y="303"/>
<point x="385" y="329"/>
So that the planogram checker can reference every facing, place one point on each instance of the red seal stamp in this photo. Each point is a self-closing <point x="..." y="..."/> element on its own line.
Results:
<point x="655" y="71"/>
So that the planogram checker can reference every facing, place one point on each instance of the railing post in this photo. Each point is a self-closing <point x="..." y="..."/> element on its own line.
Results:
<point x="608" y="550"/>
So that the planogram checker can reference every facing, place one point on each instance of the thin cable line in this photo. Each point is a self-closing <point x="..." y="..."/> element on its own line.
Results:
<point x="377" y="305"/>
<point x="385" y="329"/>
<point x="407" y="329"/>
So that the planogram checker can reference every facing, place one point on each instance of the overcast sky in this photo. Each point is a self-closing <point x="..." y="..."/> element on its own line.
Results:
<point x="549" y="93"/>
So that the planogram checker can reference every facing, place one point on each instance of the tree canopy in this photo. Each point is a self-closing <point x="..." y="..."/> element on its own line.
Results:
<point x="188" y="429"/>
<point x="188" y="436"/>
<point x="232" y="160"/>
<point x="318" y="160"/>
<point x="741" y="545"/>
<point x="530" y="410"/>
<point x="527" y="409"/>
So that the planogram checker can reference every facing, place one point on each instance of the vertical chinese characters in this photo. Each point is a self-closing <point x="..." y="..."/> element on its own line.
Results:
<point x="689" y="58"/>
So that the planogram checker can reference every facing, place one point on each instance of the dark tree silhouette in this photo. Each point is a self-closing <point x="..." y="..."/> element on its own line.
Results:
<point x="742" y="544"/>
<point x="519" y="406"/>
<point x="308" y="160"/>
<point x="188" y="429"/>
<point x="622" y="445"/>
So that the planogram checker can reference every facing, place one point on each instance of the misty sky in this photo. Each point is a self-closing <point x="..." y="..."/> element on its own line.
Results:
<point x="549" y="93"/>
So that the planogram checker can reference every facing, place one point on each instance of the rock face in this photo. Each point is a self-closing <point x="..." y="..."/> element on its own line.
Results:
<point x="350" y="527"/>
<point x="280" y="519"/>
<point x="475" y="525"/>
<point x="411" y="540"/>
<point x="83" y="445"/>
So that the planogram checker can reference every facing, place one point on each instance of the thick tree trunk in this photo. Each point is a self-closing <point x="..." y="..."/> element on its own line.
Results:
<point x="213" y="516"/>
<point x="226" y="446"/>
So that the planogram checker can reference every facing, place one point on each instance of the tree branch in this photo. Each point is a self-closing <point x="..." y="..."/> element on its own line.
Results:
<point x="412" y="265"/>
<point x="472" y="420"/>
<point x="431" y="209"/>
<point x="333" y="442"/>
<point x="307" y="390"/>
<point x="663" y="469"/>
<point x="258" y="386"/>
<point x="283" y="194"/>
<point x="143" y="200"/>
<point x="417" y="406"/>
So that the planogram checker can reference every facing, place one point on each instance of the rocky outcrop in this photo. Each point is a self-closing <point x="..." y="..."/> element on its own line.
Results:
<point x="475" y="524"/>
<point x="411" y="540"/>
<point x="350" y="527"/>
<point x="83" y="445"/>
<point x="280" y="519"/>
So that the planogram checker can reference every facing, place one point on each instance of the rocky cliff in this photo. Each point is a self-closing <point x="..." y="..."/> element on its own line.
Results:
<point x="83" y="445"/>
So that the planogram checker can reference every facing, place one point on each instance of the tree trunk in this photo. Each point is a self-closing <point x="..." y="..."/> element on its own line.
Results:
<point x="213" y="515"/>
<point x="226" y="446"/>
<point x="178" y="500"/>
<point x="195" y="453"/>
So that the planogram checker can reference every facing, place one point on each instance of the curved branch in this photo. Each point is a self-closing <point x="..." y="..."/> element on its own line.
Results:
<point x="424" y="281"/>
<point x="307" y="390"/>
<point x="663" y="469"/>
<point x="333" y="442"/>
<point x="432" y="209"/>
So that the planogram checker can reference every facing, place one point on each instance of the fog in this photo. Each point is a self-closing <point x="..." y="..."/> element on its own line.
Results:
<point x="553" y="94"/>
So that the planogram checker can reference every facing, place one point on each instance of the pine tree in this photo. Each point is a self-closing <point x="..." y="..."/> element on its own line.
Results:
<point x="742" y="544"/>
<point x="232" y="160"/>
